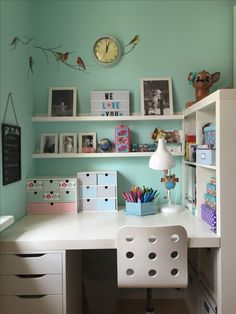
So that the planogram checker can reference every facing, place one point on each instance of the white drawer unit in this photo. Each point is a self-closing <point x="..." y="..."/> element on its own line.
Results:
<point x="97" y="191"/>
<point x="61" y="192"/>
<point x="38" y="283"/>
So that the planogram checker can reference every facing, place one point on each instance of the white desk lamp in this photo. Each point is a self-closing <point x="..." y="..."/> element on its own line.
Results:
<point x="163" y="160"/>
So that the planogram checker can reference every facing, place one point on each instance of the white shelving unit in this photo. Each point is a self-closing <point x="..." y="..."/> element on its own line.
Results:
<point x="216" y="268"/>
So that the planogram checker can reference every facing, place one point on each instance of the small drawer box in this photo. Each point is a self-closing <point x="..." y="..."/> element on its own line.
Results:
<point x="206" y="156"/>
<point x="31" y="304"/>
<point x="140" y="209"/>
<point x="88" y="191"/>
<point x="106" y="191"/>
<point x="107" y="178"/>
<point x="104" y="204"/>
<point x="87" y="204"/>
<point x="87" y="178"/>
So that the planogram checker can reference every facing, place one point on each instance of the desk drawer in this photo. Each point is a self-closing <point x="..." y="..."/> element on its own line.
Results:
<point x="30" y="284"/>
<point x="49" y="304"/>
<point x="24" y="264"/>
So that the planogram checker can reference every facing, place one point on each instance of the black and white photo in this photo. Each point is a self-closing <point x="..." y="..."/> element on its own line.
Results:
<point x="156" y="96"/>
<point x="49" y="143"/>
<point x="62" y="102"/>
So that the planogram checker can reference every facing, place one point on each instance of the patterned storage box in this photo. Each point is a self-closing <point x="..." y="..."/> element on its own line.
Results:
<point x="122" y="139"/>
<point x="52" y="195"/>
<point x="210" y="135"/>
<point x="208" y="214"/>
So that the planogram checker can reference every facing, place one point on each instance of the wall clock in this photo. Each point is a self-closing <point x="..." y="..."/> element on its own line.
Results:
<point x="107" y="50"/>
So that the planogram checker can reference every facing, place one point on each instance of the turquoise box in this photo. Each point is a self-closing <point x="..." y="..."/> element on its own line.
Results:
<point x="140" y="209"/>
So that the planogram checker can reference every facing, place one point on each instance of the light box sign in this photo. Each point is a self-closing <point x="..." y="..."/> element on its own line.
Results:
<point x="110" y="103"/>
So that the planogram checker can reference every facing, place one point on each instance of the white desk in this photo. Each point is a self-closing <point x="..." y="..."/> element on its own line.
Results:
<point x="94" y="230"/>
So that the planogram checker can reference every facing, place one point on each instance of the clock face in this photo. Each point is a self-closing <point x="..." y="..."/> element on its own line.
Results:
<point x="106" y="50"/>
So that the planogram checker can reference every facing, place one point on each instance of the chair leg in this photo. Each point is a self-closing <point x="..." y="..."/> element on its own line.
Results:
<point x="149" y="309"/>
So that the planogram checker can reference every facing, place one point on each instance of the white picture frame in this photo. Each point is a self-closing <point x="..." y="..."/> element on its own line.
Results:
<point x="156" y="96"/>
<point x="62" y="101"/>
<point x="67" y="143"/>
<point x="49" y="143"/>
<point x="87" y="142"/>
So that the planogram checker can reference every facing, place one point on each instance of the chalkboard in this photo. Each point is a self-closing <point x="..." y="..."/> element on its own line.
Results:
<point x="11" y="153"/>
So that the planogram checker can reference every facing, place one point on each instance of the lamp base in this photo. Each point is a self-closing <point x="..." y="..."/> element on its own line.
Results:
<point x="171" y="208"/>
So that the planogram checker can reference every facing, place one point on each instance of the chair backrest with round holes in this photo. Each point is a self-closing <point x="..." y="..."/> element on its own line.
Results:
<point x="149" y="257"/>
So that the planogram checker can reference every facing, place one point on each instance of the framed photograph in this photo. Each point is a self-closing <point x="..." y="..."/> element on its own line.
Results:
<point x="156" y="96"/>
<point x="62" y="102"/>
<point x="87" y="142"/>
<point x="68" y="143"/>
<point x="49" y="143"/>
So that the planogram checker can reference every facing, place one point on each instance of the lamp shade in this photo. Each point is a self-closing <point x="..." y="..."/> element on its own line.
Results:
<point x="161" y="159"/>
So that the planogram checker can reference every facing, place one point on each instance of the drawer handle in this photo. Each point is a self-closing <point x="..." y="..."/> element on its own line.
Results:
<point x="31" y="255"/>
<point x="31" y="276"/>
<point x="31" y="296"/>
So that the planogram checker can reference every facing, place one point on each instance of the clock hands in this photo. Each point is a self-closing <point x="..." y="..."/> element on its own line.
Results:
<point x="107" y="46"/>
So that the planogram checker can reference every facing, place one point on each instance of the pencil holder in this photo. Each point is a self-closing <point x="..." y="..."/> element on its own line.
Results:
<point x="140" y="209"/>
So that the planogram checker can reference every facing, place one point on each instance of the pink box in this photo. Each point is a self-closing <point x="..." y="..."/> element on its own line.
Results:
<point x="51" y="208"/>
<point x="122" y="139"/>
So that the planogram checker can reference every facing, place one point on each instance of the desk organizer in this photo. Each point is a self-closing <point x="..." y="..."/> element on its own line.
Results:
<point x="51" y="195"/>
<point x="97" y="191"/>
<point x="140" y="209"/>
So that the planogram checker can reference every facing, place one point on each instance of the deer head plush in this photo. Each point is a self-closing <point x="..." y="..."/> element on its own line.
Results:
<point x="202" y="81"/>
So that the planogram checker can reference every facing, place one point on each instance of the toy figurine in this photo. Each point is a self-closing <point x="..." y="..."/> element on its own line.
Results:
<point x="169" y="181"/>
<point x="202" y="81"/>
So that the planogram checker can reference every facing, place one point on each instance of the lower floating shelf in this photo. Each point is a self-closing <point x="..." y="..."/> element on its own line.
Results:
<point x="97" y="155"/>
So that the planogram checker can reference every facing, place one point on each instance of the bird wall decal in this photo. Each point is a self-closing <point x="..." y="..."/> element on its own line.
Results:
<point x="63" y="57"/>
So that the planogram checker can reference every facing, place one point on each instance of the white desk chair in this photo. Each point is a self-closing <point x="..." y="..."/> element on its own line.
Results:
<point x="152" y="257"/>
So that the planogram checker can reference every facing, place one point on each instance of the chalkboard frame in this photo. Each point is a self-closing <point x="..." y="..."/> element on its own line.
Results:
<point x="16" y="134"/>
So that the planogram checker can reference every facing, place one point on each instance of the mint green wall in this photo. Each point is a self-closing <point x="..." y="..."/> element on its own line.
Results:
<point x="16" y="20"/>
<point x="176" y="37"/>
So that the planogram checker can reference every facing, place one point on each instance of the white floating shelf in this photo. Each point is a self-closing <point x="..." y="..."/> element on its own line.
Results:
<point x="136" y="117"/>
<point x="97" y="155"/>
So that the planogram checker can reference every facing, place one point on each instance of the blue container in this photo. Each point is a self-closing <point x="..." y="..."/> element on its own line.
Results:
<point x="140" y="209"/>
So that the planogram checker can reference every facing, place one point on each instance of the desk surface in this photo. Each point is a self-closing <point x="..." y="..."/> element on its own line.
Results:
<point x="94" y="230"/>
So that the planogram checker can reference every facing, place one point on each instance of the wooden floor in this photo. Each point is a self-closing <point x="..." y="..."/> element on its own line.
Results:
<point x="162" y="306"/>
